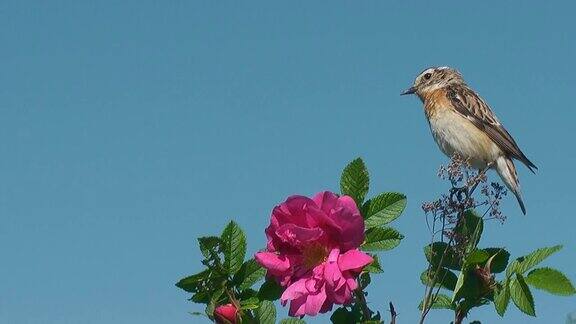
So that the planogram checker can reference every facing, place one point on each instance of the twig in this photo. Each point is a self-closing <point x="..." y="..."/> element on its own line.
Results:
<point x="393" y="314"/>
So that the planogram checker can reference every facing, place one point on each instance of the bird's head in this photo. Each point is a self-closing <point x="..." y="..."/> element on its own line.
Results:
<point x="432" y="79"/>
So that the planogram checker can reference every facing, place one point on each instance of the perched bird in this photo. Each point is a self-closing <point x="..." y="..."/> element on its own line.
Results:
<point x="463" y="124"/>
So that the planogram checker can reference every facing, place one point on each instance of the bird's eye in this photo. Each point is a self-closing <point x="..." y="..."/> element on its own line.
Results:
<point x="427" y="76"/>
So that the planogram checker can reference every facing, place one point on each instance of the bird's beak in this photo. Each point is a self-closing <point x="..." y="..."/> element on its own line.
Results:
<point x="408" y="91"/>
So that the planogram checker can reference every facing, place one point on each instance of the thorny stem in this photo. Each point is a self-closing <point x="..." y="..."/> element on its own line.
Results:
<point x="233" y="299"/>
<point x="363" y="304"/>
<point x="428" y="301"/>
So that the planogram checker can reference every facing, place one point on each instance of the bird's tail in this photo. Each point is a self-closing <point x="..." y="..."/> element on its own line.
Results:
<point x="507" y="172"/>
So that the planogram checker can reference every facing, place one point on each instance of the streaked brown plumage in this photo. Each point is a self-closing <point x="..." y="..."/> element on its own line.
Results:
<point x="462" y="123"/>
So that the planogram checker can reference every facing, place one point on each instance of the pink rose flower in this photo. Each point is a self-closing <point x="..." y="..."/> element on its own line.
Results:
<point x="313" y="253"/>
<point x="225" y="314"/>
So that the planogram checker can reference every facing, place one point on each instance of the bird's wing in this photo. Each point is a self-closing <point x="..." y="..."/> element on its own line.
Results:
<point x="471" y="106"/>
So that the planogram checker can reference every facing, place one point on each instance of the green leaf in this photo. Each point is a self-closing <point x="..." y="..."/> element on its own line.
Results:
<point x="234" y="246"/>
<point x="445" y="278"/>
<point x="527" y="262"/>
<point x="500" y="261"/>
<point x="250" y="272"/>
<point x="342" y="316"/>
<point x="477" y="257"/>
<point x="194" y="282"/>
<point x="381" y="239"/>
<point x="270" y="290"/>
<point x="209" y="245"/>
<point x="458" y="286"/>
<point x="355" y="181"/>
<point x="384" y="208"/>
<point x="266" y="313"/>
<point x="364" y="280"/>
<point x="247" y="294"/>
<point x="468" y="286"/>
<point x="550" y="280"/>
<point x="434" y="254"/>
<point x="521" y="295"/>
<point x="440" y="302"/>
<point x="470" y="227"/>
<point x="468" y="303"/>
<point x="250" y="303"/>
<point x="213" y="302"/>
<point x="375" y="266"/>
<point x="292" y="320"/>
<point x="502" y="298"/>
<point x="201" y="297"/>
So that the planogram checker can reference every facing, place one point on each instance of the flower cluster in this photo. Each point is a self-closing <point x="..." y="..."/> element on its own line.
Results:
<point x="313" y="253"/>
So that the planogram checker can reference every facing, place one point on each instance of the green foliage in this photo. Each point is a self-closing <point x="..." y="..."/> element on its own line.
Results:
<point x="377" y="211"/>
<point x="502" y="298"/>
<point x="234" y="247"/>
<point x="266" y="313"/>
<point x="375" y="266"/>
<point x="516" y="284"/>
<point x="470" y="227"/>
<point x="249" y="273"/>
<point x="521" y="295"/>
<point x="213" y="300"/>
<point x="475" y="284"/>
<point x="227" y="275"/>
<point x="354" y="314"/>
<point x="499" y="259"/>
<point x="381" y="239"/>
<point x="344" y="316"/>
<point x="209" y="245"/>
<point x="444" y="278"/>
<point x="355" y="181"/>
<point x="527" y="262"/>
<point x="434" y="254"/>
<point x="383" y="209"/>
<point x="270" y="290"/>
<point x="550" y="280"/>
<point x="458" y="288"/>
<point x="440" y="302"/>
<point x="476" y="257"/>
<point x="194" y="282"/>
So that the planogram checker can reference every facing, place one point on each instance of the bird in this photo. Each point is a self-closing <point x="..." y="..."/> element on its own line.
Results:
<point x="463" y="124"/>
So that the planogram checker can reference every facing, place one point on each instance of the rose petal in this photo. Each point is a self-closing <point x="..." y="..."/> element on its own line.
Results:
<point x="296" y="235"/>
<point x="342" y="295"/>
<point x="273" y="262"/>
<point x="352" y="283"/>
<point x="314" y="302"/>
<point x="298" y="306"/>
<point x="353" y="260"/>
<point x="326" y="201"/>
<point x="295" y="290"/>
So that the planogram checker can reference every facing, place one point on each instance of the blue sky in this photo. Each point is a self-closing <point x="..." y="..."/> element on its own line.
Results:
<point x="130" y="128"/>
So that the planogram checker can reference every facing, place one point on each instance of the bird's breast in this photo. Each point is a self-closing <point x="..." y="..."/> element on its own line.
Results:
<point x="455" y="134"/>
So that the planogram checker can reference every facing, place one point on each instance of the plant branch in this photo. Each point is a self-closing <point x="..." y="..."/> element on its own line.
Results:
<point x="428" y="299"/>
<point x="361" y="299"/>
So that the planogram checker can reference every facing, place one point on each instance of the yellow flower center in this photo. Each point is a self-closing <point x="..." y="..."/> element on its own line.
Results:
<point x="314" y="255"/>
